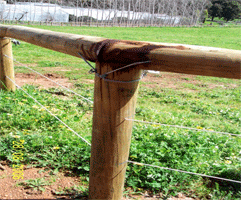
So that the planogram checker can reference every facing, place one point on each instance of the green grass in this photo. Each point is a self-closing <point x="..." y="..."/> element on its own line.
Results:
<point x="35" y="184"/>
<point x="198" y="102"/>
<point x="224" y="37"/>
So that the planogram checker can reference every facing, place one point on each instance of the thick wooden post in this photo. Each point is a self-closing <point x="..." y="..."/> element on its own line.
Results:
<point x="111" y="135"/>
<point x="6" y="65"/>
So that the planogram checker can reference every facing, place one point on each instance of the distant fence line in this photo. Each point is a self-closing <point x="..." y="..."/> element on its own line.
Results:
<point x="102" y="24"/>
<point x="95" y="24"/>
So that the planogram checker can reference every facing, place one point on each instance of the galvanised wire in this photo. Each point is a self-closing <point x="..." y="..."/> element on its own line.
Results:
<point x="49" y="112"/>
<point x="184" y="127"/>
<point x="186" y="172"/>
<point x="103" y="76"/>
<point x="49" y="79"/>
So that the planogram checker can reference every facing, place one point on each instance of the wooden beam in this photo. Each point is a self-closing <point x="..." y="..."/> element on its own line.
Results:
<point x="6" y="65"/>
<point x="62" y="42"/>
<point x="187" y="59"/>
<point x="111" y="135"/>
<point x="178" y="58"/>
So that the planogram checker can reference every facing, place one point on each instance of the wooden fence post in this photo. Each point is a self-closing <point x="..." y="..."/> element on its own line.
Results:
<point x="111" y="135"/>
<point x="6" y="65"/>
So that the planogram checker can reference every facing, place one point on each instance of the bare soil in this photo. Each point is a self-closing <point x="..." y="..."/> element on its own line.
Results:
<point x="37" y="80"/>
<point x="162" y="80"/>
<point x="61" y="185"/>
<point x="178" y="81"/>
<point x="11" y="190"/>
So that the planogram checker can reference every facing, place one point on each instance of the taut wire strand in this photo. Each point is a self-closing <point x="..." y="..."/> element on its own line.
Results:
<point x="49" y="79"/>
<point x="49" y="112"/>
<point x="186" y="172"/>
<point x="184" y="127"/>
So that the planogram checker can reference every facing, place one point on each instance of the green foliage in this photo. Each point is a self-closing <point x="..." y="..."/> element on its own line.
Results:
<point x="76" y="192"/>
<point x="47" y="141"/>
<point x="216" y="9"/>
<point x="231" y="10"/>
<point x="35" y="184"/>
<point x="227" y="9"/>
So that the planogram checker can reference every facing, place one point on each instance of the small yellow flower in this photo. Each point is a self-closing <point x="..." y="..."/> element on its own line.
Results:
<point x="199" y="127"/>
<point x="55" y="148"/>
<point x="41" y="109"/>
<point x="35" y="106"/>
<point x="54" y="109"/>
<point x="8" y="97"/>
<point x="228" y="162"/>
<point x="24" y="100"/>
<point x="1" y="122"/>
<point x="36" y="120"/>
<point x="8" y="114"/>
<point x="20" y="103"/>
<point x="25" y="131"/>
<point x="16" y="136"/>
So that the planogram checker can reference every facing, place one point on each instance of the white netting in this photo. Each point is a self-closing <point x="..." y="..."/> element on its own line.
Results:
<point x="132" y="12"/>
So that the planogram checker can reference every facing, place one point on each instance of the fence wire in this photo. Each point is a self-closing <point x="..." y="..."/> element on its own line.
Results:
<point x="186" y="172"/>
<point x="50" y="79"/>
<point x="49" y="112"/>
<point x="183" y="127"/>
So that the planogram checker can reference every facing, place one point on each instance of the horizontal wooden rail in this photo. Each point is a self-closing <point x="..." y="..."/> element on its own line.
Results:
<point x="187" y="59"/>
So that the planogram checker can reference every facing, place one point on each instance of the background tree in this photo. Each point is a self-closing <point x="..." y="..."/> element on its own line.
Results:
<point x="231" y="10"/>
<point x="204" y="16"/>
<point x="215" y="10"/>
<point x="228" y="9"/>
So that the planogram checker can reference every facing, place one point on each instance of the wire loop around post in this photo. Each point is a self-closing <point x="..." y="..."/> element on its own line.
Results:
<point x="103" y="76"/>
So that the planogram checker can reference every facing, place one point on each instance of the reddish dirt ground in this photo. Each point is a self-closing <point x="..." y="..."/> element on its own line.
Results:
<point x="11" y="190"/>
<point x="58" y="182"/>
<point x="32" y="79"/>
<point x="162" y="80"/>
